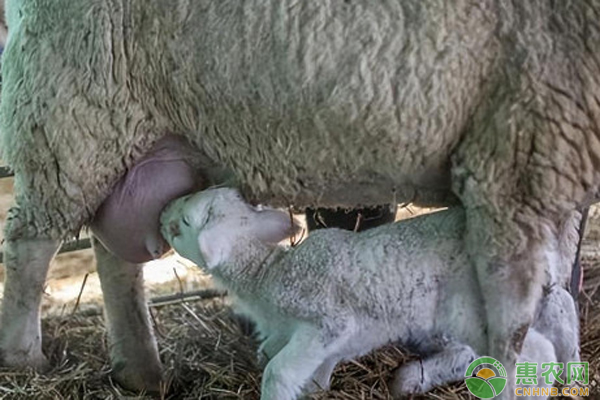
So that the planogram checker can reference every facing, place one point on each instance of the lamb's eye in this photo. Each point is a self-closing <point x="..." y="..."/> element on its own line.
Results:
<point x="185" y="221"/>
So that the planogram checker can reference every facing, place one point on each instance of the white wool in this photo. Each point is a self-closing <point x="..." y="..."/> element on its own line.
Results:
<point x="411" y="281"/>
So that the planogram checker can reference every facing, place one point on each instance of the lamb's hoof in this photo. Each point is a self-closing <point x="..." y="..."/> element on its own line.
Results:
<point x="409" y="380"/>
<point x="246" y="325"/>
<point x="312" y="387"/>
<point x="138" y="377"/>
<point x="24" y="359"/>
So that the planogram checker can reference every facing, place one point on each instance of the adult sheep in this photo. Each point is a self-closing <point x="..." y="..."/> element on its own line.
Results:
<point x="331" y="103"/>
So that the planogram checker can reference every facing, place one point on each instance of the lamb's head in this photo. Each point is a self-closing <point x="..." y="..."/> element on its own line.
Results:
<point x="206" y="226"/>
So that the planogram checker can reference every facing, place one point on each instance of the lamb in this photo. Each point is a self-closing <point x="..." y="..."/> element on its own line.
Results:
<point x="492" y="105"/>
<point x="341" y="294"/>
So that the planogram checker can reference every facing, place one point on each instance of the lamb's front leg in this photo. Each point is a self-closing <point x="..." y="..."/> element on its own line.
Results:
<point x="290" y="370"/>
<point x="133" y="350"/>
<point x="26" y="262"/>
<point x="447" y="366"/>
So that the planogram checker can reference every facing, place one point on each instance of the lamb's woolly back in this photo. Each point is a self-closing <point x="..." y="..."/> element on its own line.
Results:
<point x="332" y="270"/>
<point x="220" y="220"/>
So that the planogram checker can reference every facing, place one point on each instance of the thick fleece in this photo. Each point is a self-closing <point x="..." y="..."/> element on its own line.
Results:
<point x="328" y="103"/>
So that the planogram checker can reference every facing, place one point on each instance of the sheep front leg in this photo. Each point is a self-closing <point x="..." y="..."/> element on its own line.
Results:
<point x="134" y="354"/>
<point x="290" y="370"/>
<point x="26" y="262"/>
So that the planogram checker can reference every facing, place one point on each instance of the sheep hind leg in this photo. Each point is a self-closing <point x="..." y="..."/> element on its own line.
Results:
<point x="510" y="268"/>
<point x="558" y="321"/>
<point x="133" y="350"/>
<point x="507" y="183"/>
<point x="447" y="366"/>
<point x="26" y="262"/>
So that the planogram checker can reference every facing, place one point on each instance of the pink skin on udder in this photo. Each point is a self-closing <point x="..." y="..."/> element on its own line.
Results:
<point x="127" y="223"/>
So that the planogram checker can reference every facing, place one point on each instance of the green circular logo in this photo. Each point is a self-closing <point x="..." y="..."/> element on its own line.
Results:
<point x="489" y="380"/>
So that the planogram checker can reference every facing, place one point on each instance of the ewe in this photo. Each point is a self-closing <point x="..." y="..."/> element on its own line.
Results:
<point x="490" y="103"/>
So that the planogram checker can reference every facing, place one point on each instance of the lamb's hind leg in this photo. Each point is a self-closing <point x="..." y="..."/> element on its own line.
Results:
<point x="26" y="261"/>
<point x="134" y="354"/>
<point x="442" y="368"/>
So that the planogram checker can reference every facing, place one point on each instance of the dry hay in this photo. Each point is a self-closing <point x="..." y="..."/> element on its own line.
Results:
<point x="206" y="356"/>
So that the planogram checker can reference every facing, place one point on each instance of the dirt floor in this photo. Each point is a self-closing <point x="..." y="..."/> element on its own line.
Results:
<point x="206" y="356"/>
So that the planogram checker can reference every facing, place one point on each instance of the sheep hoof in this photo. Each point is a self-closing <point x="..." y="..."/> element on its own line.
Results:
<point x="24" y="359"/>
<point x="410" y="379"/>
<point x="138" y="376"/>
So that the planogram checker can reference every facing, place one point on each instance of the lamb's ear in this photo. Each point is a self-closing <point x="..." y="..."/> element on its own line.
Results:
<point x="273" y="226"/>
<point x="215" y="243"/>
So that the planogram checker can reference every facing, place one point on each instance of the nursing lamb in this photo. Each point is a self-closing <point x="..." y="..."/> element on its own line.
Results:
<point x="341" y="294"/>
<point x="490" y="103"/>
